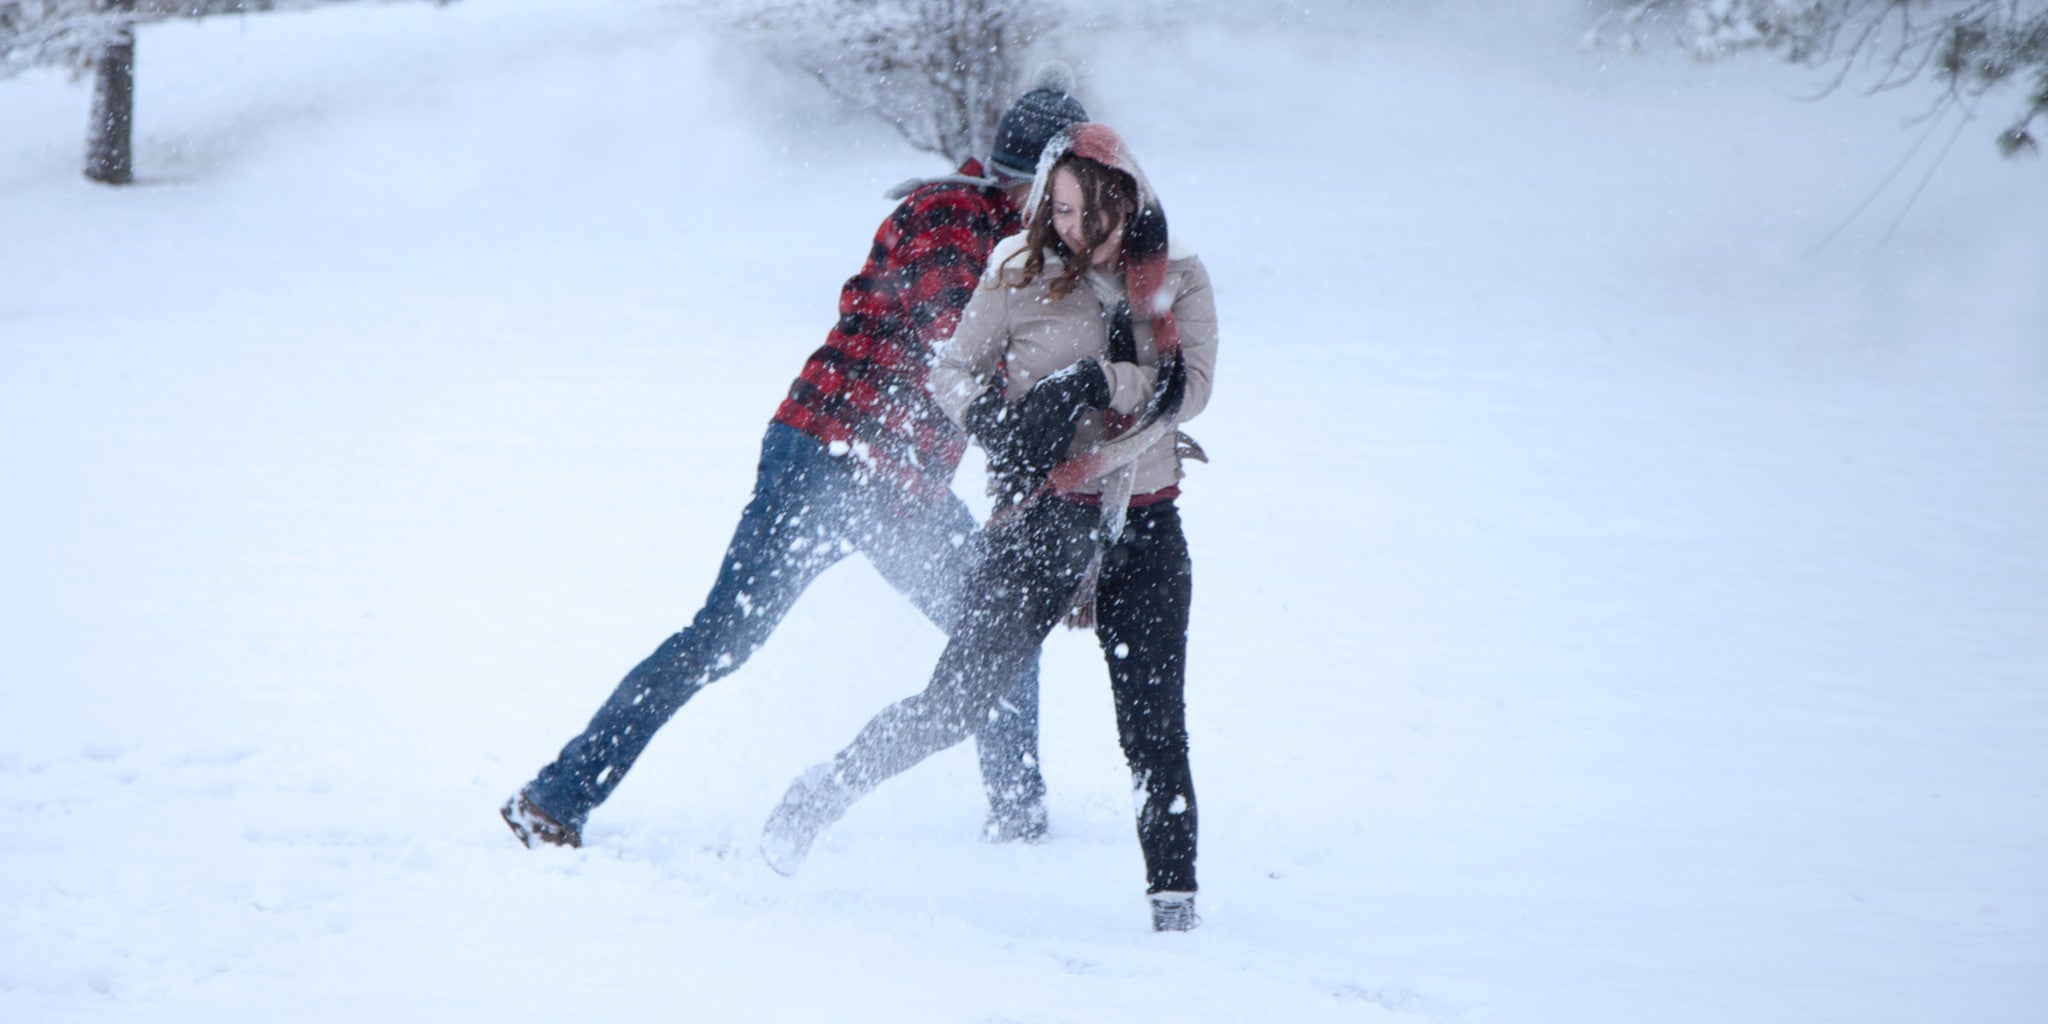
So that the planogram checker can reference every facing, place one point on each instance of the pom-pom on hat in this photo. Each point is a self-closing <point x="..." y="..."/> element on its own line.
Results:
<point x="1042" y="112"/>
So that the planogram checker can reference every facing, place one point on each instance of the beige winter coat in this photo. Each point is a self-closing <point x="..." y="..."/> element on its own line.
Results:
<point x="1039" y="335"/>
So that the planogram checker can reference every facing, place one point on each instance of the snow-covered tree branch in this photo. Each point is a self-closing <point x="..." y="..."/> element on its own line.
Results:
<point x="69" y="33"/>
<point x="1967" y="48"/>
<point x="940" y="71"/>
<point x="99" y="35"/>
<point x="36" y="33"/>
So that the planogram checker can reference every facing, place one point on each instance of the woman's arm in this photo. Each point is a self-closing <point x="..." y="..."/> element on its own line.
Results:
<point x="964" y="364"/>
<point x="1194" y="311"/>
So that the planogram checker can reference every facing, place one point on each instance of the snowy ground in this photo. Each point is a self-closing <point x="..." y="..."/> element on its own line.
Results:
<point x="1620" y="593"/>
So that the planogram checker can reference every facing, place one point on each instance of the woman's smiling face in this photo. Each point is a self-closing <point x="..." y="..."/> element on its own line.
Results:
<point x="1071" y="219"/>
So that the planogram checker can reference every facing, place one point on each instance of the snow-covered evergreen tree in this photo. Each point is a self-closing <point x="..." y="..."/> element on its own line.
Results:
<point x="1967" y="47"/>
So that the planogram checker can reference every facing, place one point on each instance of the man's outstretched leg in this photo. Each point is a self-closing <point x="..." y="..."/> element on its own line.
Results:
<point x="790" y="532"/>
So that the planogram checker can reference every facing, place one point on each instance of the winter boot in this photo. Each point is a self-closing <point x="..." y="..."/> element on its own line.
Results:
<point x="1174" y="912"/>
<point x="531" y="825"/>
<point x="1024" y="822"/>
<point x="816" y="799"/>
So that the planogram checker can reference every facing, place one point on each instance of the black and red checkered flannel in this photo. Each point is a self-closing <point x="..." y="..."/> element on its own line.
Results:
<point x="863" y="391"/>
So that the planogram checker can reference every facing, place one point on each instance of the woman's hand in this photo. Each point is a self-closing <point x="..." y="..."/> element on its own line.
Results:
<point x="1059" y="399"/>
<point x="1024" y="443"/>
<point x="992" y="422"/>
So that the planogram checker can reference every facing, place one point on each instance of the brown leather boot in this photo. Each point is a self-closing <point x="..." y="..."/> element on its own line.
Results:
<point x="532" y="825"/>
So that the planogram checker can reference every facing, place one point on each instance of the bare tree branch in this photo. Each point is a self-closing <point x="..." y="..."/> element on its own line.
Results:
<point x="1966" y="47"/>
<point x="939" y="71"/>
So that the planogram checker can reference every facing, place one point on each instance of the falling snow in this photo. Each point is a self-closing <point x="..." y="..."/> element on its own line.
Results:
<point x="1618" y="585"/>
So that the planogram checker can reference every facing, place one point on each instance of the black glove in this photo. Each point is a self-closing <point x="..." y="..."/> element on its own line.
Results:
<point x="1026" y="442"/>
<point x="1057" y="401"/>
<point x="992" y="422"/>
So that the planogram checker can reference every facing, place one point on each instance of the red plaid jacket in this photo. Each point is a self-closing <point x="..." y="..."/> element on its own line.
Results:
<point x="863" y="392"/>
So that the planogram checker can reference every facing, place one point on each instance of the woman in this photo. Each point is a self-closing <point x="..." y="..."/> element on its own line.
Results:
<point x="1076" y="401"/>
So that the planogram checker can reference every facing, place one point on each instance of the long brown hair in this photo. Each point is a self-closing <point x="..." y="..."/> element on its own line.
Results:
<point x="1109" y="197"/>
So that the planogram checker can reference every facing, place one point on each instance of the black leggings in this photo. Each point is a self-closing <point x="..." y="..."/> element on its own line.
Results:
<point x="1013" y="597"/>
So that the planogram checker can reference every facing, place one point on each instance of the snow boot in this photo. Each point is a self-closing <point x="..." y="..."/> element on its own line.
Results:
<point x="816" y="799"/>
<point x="1024" y="822"/>
<point x="532" y="826"/>
<point x="1174" y="912"/>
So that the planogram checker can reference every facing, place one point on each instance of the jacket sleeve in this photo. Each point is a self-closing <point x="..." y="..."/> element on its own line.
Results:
<point x="1194" y="311"/>
<point x="966" y="363"/>
<point x="942" y="241"/>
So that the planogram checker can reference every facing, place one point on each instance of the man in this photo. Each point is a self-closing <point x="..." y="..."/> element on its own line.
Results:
<point x="857" y="458"/>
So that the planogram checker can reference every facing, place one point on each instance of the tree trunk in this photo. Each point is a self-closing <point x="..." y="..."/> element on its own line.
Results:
<point x="109" y="150"/>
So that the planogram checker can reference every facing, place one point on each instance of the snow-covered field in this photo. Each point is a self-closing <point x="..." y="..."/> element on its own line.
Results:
<point x="1622" y="581"/>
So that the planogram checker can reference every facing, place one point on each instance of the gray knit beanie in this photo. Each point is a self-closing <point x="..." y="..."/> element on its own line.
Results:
<point x="1042" y="112"/>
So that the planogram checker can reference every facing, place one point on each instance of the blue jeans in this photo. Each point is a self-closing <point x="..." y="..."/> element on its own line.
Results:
<point x="809" y="510"/>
